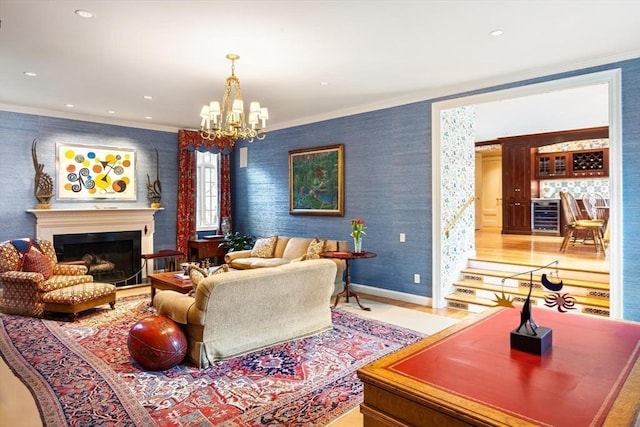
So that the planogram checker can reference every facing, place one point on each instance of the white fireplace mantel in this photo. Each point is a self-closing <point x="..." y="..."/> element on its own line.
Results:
<point x="52" y="222"/>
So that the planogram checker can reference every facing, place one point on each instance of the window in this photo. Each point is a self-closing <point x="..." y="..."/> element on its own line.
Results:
<point x="207" y="189"/>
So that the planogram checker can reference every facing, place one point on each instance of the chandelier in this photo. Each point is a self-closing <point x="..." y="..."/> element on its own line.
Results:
<point x="227" y="120"/>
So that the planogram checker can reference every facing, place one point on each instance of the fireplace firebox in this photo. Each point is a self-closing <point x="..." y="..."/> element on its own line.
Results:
<point x="112" y="257"/>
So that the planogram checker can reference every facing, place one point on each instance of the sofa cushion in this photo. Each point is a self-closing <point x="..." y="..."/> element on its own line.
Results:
<point x="296" y="247"/>
<point x="37" y="262"/>
<point x="316" y="246"/>
<point x="263" y="248"/>
<point x="281" y="245"/>
<point x="255" y="262"/>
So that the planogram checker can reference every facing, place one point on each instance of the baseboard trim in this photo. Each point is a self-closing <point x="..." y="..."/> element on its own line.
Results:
<point x="386" y="293"/>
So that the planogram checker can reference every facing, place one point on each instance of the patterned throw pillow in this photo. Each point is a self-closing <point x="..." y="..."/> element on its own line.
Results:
<point x="37" y="262"/>
<point x="196" y="274"/>
<point x="300" y="258"/>
<point x="263" y="248"/>
<point x="315" y="247"/>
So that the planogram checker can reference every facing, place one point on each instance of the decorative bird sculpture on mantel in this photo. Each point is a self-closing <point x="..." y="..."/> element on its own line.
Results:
<point x="42" y="182"/>
<point x="154" y="189"/>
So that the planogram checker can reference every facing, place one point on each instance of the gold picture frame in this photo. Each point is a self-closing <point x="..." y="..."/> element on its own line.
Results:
<point x="316" y="181"/>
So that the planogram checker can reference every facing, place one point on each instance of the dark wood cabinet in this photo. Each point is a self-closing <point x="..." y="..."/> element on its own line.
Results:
<point x="552" y="165"/>
<point x="516" y="188"/>
<point x="573" y="164"/>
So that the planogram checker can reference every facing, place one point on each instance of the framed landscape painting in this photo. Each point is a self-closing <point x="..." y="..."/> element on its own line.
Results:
<point x="89" y="172"/>
<point x="316" y="181"/>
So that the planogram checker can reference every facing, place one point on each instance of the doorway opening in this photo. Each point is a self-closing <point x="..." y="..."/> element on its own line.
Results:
<point x="612" y="79"/>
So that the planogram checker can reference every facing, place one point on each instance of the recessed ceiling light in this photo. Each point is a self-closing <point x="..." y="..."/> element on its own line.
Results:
<point x="68" y="105"/>
<point x="30" y="74"/>
<point x="111" y="112"/>
<point x="148" y="117"/>
<point x="324" y="83"/>
<point x="84" y="13"/>
<point x="148" y="97"/>
<point x="496" y="33"/>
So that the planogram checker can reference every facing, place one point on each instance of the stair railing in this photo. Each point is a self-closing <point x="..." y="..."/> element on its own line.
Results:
<point x="455" y="220"/>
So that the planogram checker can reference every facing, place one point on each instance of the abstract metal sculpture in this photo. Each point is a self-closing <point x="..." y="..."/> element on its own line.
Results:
<point x="534" y="339"/>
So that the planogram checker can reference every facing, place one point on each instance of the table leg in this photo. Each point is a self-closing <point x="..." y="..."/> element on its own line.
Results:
<point x="348" y="292"/>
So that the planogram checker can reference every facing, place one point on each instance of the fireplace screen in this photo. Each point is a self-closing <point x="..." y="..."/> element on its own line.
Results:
<point x="113" y="257"/>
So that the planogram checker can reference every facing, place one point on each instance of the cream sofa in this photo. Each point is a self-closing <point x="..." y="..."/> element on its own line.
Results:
<point x="241" y="311"/>
<point x="287" y="250"/>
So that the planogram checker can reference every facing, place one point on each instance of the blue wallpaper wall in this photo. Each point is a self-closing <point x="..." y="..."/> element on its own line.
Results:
<point x="17" y="131"/>
<point x="387" y="181"/>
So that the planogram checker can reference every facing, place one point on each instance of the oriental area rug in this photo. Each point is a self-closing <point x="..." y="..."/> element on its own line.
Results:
<point x="80" y="373"/>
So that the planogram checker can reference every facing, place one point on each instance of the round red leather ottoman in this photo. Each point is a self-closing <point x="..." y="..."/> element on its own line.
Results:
<point x="157" y="343"/>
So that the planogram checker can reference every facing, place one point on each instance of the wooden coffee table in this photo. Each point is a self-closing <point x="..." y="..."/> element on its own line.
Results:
<point x="169" y="281"/>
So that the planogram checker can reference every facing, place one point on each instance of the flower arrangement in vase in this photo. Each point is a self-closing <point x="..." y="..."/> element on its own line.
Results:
<point x="357" y="231"/>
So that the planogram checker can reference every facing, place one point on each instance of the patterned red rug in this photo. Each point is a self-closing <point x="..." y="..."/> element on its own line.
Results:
<point x="81" y="373"/>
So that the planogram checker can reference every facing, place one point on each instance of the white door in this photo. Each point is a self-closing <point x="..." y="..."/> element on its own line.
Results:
<point x="491" y="201"/>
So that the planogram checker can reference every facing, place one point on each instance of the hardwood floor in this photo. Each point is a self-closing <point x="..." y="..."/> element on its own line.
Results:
<point x="539" y="250"/>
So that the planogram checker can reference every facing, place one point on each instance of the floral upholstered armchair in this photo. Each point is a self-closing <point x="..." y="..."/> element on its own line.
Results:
<point x="29" y="269"/>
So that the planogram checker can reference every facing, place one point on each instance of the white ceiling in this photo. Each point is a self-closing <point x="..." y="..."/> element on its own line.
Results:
<point x="372" y="54"/>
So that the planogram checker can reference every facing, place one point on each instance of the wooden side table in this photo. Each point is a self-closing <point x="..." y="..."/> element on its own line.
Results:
<point x="199" y="249"/>
<point x="348" y="256"/>
<point x="169" y="257"/>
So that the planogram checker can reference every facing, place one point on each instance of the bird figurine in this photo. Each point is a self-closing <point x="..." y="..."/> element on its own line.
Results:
<point x="42" y="182"/>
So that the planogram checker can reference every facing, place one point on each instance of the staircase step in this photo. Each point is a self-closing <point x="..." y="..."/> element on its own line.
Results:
<point x="481" y="284"/>
<point x="564" y="273"/>
<point x="500" y="275"/>
<point x="483" y="290"/>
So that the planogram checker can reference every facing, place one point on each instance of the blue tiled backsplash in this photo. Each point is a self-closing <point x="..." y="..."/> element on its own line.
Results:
<point x="550" y="188"/>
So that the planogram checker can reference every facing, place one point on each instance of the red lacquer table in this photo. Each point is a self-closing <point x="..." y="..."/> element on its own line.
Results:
<point x="469" y="375"/>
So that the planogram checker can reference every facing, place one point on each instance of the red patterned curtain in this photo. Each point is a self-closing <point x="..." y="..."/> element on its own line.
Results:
<point x="188" y="142"/>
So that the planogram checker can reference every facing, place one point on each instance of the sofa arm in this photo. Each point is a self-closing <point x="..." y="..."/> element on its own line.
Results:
<point x="230" y="256"/>
<point x="174" y="305"/>
<point x="15" y="279"/>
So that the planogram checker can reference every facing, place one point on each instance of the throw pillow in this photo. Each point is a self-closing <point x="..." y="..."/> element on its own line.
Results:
<point x="196" y="274"/>
<point x="301" y="258"/>
<point x="315" y="247"/>
<point x="263" y="248"/>
<point x="37" y="262"/>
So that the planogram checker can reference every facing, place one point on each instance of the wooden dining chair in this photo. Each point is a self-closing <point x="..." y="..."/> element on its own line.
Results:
<point x="576" y="223"/>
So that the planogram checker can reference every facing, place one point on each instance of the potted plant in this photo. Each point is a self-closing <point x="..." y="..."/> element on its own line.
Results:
<point x="237" y="242"/>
